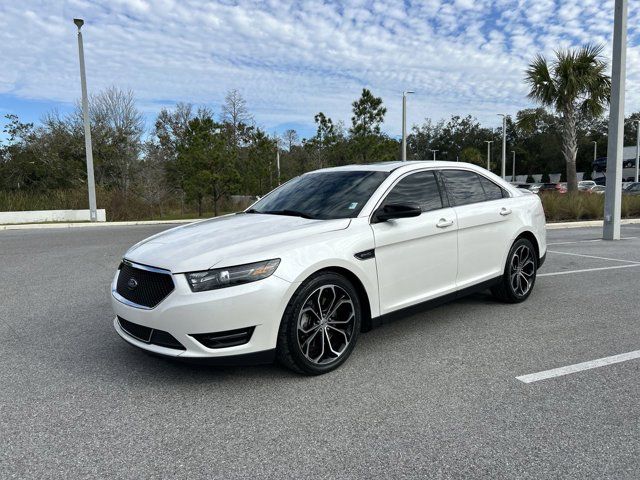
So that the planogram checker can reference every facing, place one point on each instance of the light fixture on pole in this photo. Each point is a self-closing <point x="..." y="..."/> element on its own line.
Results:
<point x="503" y="172"/>
<point x="434" y="154"/>
<point x="613" y="192"/>
<point x="513" y="167"/>
<point x="488" y="142"/>
<point x="91" y="185"/>
<point x="404" y="124"/>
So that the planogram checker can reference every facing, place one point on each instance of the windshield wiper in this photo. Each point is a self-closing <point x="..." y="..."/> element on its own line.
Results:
<point x="251" y="210"/>
<point x="291" y="213"/>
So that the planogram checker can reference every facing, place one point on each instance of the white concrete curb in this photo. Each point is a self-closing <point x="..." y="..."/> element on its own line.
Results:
<point x="550" y="226"/>
<point x="590" y="223"/>
<point x="25" y="226"/>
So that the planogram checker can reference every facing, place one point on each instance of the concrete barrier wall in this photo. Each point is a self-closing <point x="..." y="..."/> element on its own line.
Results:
<point x="41" y="216"/>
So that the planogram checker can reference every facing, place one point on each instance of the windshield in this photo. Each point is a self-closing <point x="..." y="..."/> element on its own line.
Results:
<point x="322" y="195"/>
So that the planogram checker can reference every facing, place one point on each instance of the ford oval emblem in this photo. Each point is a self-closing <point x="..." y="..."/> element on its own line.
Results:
<point x="132" y="283"/>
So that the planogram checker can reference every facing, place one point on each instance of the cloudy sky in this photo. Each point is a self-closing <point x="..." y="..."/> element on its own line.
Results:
<point x="291" y="59"/>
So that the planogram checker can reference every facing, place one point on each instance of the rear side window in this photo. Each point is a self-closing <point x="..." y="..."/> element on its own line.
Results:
<point x="491" y="190"/>
<point x="420" y="188"/>
<point x="463" y="187"/>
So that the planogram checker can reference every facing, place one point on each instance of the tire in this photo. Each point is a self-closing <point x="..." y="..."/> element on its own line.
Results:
<point x="519" y="275"/>
<point x="320" y="325"/>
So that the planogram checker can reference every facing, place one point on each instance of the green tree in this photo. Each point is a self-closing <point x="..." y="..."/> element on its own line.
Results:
<point x="204" y="165"/>
<point x="574" y="83"/>
<point x="368" y="115"/>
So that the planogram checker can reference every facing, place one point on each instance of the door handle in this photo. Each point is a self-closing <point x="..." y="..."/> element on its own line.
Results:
<point x="444" y="223"/>
<point x="505" y="211"/>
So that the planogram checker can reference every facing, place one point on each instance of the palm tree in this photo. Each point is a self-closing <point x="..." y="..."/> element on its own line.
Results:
<point x="574" y="84"/>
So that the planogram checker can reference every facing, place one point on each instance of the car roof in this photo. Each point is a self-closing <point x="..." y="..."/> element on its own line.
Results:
<point x="391" y="166"/>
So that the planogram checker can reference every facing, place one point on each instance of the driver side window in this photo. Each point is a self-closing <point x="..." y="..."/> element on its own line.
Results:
<point x="418" y="188"/>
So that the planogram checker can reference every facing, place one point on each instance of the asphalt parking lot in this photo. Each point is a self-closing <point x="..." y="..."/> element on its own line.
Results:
<point x="432" y="395"/>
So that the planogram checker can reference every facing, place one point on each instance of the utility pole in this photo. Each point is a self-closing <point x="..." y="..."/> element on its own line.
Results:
<point x="613" y="192"/>
<point x="503" y="172"/>
<point x="488" y="142"/>
<point x="404" y="124"/>
<point x="91" y="184"/>
<point x="513" y="167"/>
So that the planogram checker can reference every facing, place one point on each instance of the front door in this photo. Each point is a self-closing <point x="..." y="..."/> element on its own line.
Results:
<point x="416" y="257"/>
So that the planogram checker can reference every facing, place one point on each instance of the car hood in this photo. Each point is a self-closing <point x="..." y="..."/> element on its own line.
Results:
<point x="246" y="237"/>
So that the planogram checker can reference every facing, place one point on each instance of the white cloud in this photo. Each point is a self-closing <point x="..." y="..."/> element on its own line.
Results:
<point x="292" y="59"/>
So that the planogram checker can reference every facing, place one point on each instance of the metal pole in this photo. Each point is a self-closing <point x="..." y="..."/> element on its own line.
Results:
<point x="404" y="124"/>
<point x="91" y="185"/>
<point x="434" y="154"/>
<point x="278" y="158"/>
<point x="595" y="150"/>
<point x="513" y="167"/>
<point x="637" y="148"/>
<point x="503" y="172"/>
<point x="613" y="192"/>
<point x="488" y="142"/>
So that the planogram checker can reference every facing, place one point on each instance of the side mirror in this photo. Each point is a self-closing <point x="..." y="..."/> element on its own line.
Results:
<point x="396" y="210"/>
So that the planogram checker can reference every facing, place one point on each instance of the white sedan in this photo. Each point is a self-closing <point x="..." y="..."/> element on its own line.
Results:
<point x="325" y="256"/>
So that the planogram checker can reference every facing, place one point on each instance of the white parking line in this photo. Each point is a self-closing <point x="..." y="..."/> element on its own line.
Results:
<point x="593" y="256"/>
<point x="578" y="367"/>
<point x="567" y="272"/>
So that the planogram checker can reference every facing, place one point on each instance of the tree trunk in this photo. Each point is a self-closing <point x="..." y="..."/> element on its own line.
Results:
<point x="570" y="147"/>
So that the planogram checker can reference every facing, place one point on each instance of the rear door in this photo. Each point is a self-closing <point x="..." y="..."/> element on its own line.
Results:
<point x="416" y="257"/>
<point x="485" y="225"/>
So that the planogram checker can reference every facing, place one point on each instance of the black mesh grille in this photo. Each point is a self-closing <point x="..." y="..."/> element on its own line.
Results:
<point x="229" y="338"/>
<point x="150" y="335"/>
<point x="143" y="287"/>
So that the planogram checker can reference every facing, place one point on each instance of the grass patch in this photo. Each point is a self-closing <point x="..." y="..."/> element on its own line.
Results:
<point x="584" y="206"/>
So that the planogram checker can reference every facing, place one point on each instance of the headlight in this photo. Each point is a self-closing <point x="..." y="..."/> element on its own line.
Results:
<point x="230" y="276"/>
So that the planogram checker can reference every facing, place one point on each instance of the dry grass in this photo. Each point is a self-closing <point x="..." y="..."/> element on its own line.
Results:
<point x="584" y="206"/>
<point x="557" y="207"/>
<point x="119" y="207"/>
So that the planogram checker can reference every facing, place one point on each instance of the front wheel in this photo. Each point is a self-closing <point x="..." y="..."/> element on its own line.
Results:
<point x="519" y="273"/>
<point x="320" y="325"/>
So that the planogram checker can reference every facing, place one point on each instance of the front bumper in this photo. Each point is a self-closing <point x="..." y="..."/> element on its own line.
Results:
<point x="184" y="313"/>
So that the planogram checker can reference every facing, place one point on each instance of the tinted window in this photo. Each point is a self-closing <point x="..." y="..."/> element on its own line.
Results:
<point x="463" y="187"/>
<point x="420" y="188"/>
<point x="491" y="190"/>
<point x="322" y="195"/>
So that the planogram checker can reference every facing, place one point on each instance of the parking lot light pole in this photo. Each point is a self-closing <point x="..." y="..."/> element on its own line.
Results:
<point x="595" y="150"/>
<point x="91" y="185"/>
<point x="513" y="167"/>
<point x="613" y="192"/>
<point x="488" y="142"/>
<point x="278" y="158"/>
<point x="404" y="124"/>
<point x="503" y="172"/>
<point x="434" y="154"/>
<point x="637" y="149"/>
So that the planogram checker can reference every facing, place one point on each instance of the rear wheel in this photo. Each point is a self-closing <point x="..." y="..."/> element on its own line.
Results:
<point x="519" y="273"/>
<point x="320" y="325"/>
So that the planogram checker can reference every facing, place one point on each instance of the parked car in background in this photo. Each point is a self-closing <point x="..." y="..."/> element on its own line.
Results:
<point x="299" y="274"/>
<point x="586" y="184"/>
<point x="552" y="187"/>
<point x="600" y="180"/>
<point x="599" y="189"/>
<point x="632" y="189"/>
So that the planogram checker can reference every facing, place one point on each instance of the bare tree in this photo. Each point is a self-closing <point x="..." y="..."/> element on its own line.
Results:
<point x="116" y="128"/>
<point x="291" y="137"/>
<point x="235" y="114"/>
